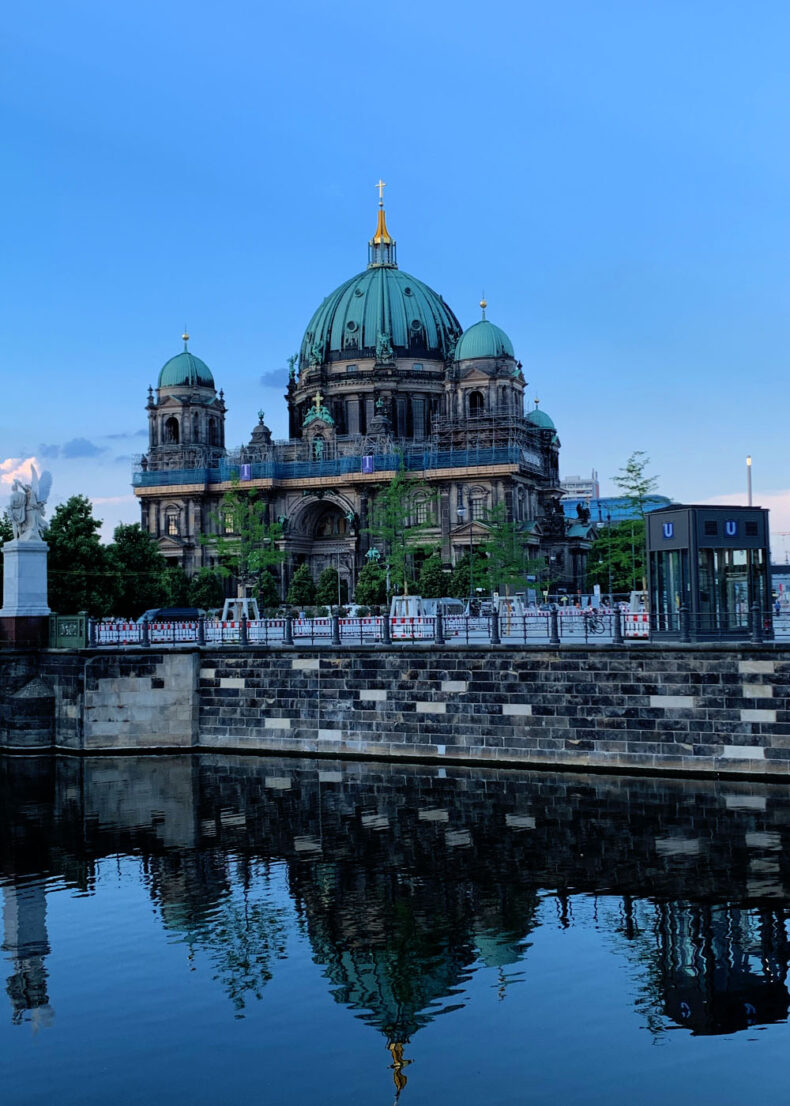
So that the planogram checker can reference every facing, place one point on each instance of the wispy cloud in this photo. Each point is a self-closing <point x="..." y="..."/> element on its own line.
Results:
<point x="48" y="450"/>
<point x="126" y="434"/>
<point x="81" y="447"/>
<point x="276" y="378"/>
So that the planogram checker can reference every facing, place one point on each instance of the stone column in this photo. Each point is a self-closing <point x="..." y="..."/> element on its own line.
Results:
<point x="24" y="617"/>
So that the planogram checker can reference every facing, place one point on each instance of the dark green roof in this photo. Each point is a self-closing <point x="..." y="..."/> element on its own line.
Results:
<point x="185" y="371"/>
<point x="540" y="419"/>
<point x="483" y="340"/>
<point x="380" y="300"/>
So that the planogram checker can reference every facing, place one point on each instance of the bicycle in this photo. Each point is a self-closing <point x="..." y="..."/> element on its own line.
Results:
<point x="594" y="624"/>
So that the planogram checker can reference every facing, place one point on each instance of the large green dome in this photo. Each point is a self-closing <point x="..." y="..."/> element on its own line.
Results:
<point x="483" y="340"/>
<point x="380" y="300"/>
<point x="185" y="371"/>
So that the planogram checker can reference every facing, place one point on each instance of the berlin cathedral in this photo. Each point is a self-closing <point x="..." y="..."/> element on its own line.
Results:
<point x="386" y="377"/>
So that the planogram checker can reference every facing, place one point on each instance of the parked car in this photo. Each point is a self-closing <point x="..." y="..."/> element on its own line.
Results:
<point x="171" y="614"/>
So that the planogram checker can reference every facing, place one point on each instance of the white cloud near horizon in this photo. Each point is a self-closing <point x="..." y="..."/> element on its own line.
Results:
<point x="16" y="468"/>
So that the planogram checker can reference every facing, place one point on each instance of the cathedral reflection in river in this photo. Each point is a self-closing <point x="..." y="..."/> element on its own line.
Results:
<point x="406" y="878"/>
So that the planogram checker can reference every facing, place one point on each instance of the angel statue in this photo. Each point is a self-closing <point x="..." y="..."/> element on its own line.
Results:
<point x="28" y="502"/>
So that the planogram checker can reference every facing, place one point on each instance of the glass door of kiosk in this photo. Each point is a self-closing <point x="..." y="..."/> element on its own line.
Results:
<point x="669" y="577"/>
<point x="729" y="582"/>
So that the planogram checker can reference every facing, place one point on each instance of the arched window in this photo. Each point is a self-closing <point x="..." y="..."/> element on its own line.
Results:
<point x="172" y="528"/>
<point x="213" y="436"/>
<point x="171" y="431"/>
<point x="196" y="427"/>
<point x="476" y="404"/>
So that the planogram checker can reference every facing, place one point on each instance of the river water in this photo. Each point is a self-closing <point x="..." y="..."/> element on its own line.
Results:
<point x="215" y="929"/>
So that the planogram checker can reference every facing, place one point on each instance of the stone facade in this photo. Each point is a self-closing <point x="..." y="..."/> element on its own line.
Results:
<point x="676" y="709"/>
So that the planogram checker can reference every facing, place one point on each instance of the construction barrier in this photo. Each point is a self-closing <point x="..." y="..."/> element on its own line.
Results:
<point x="117" y="633"/>
<point x="636" y="625"/>
<point x="411" y="628"/>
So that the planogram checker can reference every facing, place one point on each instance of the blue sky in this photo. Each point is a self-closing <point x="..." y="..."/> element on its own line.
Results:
<point x="614" y="175"/>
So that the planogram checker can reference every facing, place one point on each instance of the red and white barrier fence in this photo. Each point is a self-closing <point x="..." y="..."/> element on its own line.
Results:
<point x="636" y="625"/>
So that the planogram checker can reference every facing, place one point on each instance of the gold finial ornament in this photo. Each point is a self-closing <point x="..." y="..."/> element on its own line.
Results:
<point x="318" y="399"/>
<point x="537" y="401"/>
<point x="185" y="337"/>
<point x="382" y="235"/>
<point x="484" y="304"/>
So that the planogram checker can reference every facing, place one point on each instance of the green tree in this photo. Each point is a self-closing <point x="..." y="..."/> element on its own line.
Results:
<point x="207" y="589"/>
<point x="371" y="587"/>
<point x="269" y="589"/>
<point x="139" y="568"/>
<point x="617" y="555"/>
<point x="636" y="486"/>
<point x="467" y="576"/>
<point x="176" y="586"/>
<point x="433" y="580"/>
<point x="301" y="593"/>
<point x="394" y="524"/>
<point x="81" y="576"/>
<point x="506" y="561"/>
<point x="326" y="590"/>
<point x="247" y="544"/>
<point x="634" y="483"/>
<point x="6" y="534"/>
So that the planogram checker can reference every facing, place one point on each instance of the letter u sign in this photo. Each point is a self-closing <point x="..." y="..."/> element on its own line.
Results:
<point x="730" y="528"/>
<point x="669" y="529"/>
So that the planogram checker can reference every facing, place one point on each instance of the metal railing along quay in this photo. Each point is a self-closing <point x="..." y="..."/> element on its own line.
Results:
<point x="538" y="627"/>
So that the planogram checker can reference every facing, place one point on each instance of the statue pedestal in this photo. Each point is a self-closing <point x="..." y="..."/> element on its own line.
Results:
<point x="24" y="616"/>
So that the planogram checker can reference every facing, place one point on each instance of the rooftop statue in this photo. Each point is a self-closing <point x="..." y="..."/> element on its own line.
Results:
<point x="27" y="506"/>
<point x="384" y="350"/>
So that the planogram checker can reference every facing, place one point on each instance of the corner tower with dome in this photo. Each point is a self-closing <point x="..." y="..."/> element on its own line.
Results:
<point x="385" y="372"/>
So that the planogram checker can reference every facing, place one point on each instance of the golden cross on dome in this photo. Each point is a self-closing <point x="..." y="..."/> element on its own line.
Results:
<point x="381" y="186"/>
<point x="318" y="399"/>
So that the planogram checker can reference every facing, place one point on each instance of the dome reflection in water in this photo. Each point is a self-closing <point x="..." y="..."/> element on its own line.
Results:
<point x="463" y="915"/>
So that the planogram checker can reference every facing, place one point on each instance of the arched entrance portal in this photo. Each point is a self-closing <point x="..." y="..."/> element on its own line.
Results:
<point x="327" y="538"/>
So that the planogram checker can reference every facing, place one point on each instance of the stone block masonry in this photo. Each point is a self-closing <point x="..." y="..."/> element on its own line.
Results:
<point x="676" y="708"/>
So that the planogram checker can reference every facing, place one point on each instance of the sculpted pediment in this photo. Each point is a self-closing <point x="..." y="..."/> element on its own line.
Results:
<point x="477" y="373"/>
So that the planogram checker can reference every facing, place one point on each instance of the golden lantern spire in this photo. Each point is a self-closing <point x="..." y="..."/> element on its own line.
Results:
<point x="382" y="235"/>
<point x="484" y="304"/>
<point x="381" y="247"/>
<point x="185" y="338"/>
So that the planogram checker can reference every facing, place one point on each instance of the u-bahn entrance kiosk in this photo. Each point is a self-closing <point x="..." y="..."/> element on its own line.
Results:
<point x="714" y="561"/>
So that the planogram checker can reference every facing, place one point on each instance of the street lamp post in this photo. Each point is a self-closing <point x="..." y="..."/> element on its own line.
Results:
<point x="749" y="479"/>
<point x="461" y="516"/>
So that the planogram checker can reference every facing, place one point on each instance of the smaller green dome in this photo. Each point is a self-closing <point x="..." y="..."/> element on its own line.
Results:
<point x="540" y="419"/>
<point x="483" y="340"/>
<point x="185" y="371"/>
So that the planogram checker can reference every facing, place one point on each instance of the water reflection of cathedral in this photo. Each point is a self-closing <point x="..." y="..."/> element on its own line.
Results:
<point x="407" y="882"/>
<point x="722" y="968"/>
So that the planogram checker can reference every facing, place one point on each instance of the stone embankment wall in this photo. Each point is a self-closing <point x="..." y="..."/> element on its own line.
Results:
<point x="669" y="708"/>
